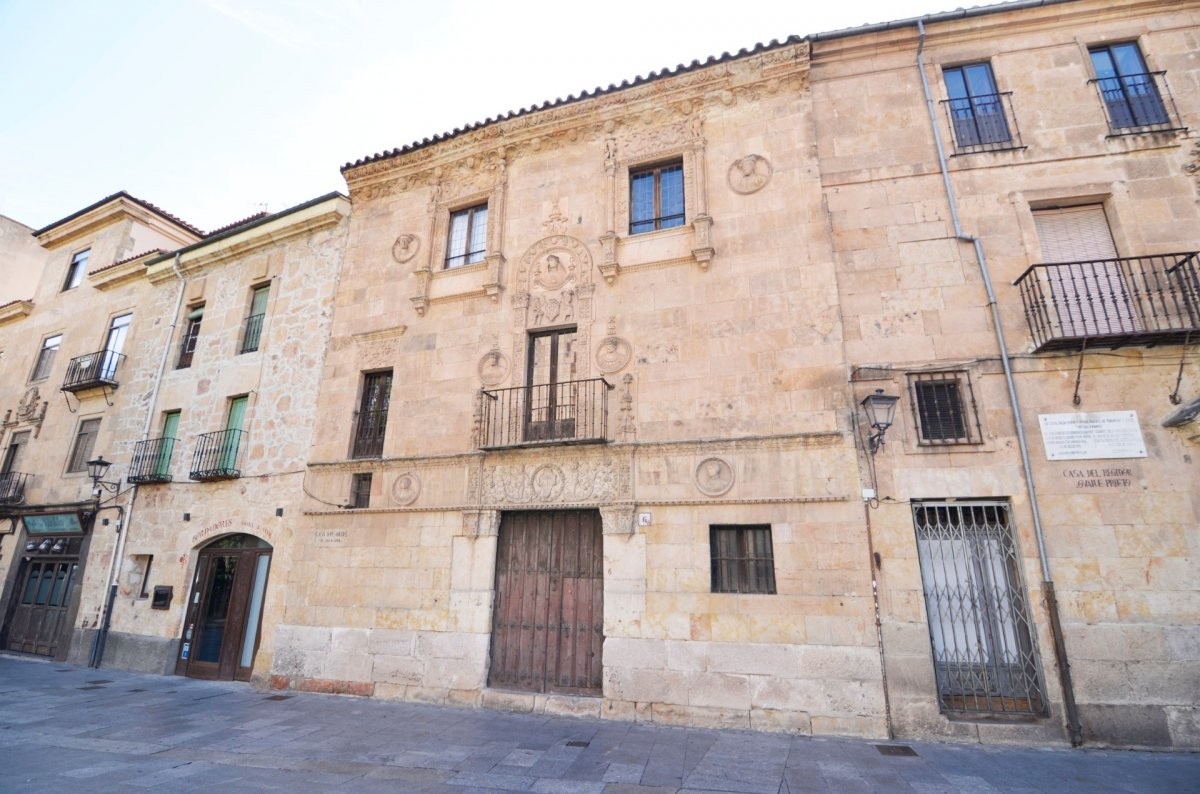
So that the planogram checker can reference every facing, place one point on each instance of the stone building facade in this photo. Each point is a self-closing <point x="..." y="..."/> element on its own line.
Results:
<point x="570" y="411"/>
<point x="727" y="340"/>
<point x="67" y="388"/>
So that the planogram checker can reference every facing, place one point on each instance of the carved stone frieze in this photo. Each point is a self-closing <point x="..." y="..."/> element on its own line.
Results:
<point x="547" y="483"/>
<point x="626" y="424"/>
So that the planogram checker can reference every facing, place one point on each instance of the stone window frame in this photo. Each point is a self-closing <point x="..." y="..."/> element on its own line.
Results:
<point x="697" y="223"/>
<point x="84" y="444"/>
<point x="44" y="361"/>
<point x="75" y="269"/>
<point x="490" y="266"/>
<point x="964" y="410"/>
<point x="725" y="568"/>
<point x="657" y="217"/>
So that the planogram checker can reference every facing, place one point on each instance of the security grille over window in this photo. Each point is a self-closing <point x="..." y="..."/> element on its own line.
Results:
<point x="743" y="560"/>
<point x="980" y="116"/>
<point x="360" y="490"/>
<point x="984" y="653"/>
<point x="370" y="423"/>
<point x="944" y="409"/>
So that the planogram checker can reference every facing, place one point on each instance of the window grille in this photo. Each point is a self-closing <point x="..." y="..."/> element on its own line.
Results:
<point x="743" y="560"/>
<point x="944" y="408"/>
<point x="984" y="651"/>
<point x="360" y="490"/>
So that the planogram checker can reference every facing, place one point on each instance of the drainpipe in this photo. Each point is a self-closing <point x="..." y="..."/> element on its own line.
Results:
<point x="1060" y="648"/>
<point x="114" y="571"/>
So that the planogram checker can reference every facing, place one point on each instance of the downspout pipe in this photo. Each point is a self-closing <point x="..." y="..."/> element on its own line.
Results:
<point x="1060" y="649"/>
<point x="123" y="519"/>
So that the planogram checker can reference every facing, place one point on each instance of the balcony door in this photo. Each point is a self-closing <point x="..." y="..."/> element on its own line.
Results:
<point x="233" y="432"/>
<point x="170" y="427"/>
<point x="550" y="400"/>
<point x="118" y="329"/>
<point x="1088" y="289"/>
<point x="224" y="609"/>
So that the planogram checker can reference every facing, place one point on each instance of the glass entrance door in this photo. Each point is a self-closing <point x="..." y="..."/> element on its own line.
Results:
<point x="224" y="609"/>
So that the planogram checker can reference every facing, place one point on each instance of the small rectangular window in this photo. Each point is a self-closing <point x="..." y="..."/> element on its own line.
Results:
<point x="12" y="455"/>
<point x="467" y="241"/>
<point x="656" y="197"/>
<point x="742" y="559"/>
<point x="944" y="408"/>
<point x="1129" y="91"/>
<point x="370" y="423"/>
<point x="45" y="359"/>
<point x="85" y="442"/>
<point x="252" y="334"/>
<point x="360" y="490"/>
<point x="191" y="332"/>
<point x="75" y="270"/>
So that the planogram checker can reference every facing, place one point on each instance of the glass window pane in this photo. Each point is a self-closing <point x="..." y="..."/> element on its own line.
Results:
<point x="479" y="222"/>
<point x="672" y="196"/>
<point x="641" y="201"/>
<point x="956" y="87"/>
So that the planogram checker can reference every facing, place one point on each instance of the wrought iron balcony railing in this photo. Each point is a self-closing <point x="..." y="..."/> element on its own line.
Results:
<point x="570" y="412"/>
<point x="218" y="455"/>
<point x="369" y="427"/>
<point x="1138" y="103"/>
<point x="252" y="334"/>
<point x="983" y="123"/>
<point x="151" y="461"/>
<point x="93" y="370"/>
<point x="1140" y="300"/>
<point x="12" y="487"/>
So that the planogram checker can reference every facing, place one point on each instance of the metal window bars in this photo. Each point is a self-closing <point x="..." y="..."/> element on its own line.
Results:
<point x="568" y="412"/>
<point x="944" y="408"/>
<point x="218" y="455"/>
<point x="983" y="123"/>
<point x="151" y="461"/>
<point x="252" y="335"/>
<point x="93" y="370"/>
<point x="1136" y="103"/>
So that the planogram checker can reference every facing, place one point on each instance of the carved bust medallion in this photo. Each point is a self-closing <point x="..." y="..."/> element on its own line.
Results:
<point x="749" y="174"/>
<point x="405" y="247"/>
<point x="714" y="477"/>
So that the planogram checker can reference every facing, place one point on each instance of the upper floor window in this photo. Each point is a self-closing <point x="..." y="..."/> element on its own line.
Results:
<point x="467" y="239"/>
<point x="191" y="332"/>
<point x="1130" y="93"/>
<point x="75" y="270"/>
<point x="976" y="108"/>
<point x="85" y="442"/>
<point x="743" y="560"/>
<point x="252" y="334"/>
<point x="371" y="422"/>
<point x="656" y="197"/>
<point x="45" y="359"/>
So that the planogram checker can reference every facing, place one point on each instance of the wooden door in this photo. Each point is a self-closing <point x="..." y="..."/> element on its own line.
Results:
<point x="547" y="629"/>
<point x="224" y="610"/>
<point x="43" y="598"/>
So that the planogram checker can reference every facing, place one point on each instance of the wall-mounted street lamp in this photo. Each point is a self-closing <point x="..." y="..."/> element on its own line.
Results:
<point x="96" y="470"/>
<point x="880" y="409"/>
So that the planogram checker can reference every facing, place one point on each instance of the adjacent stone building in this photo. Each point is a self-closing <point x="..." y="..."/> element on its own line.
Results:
<point x="841" y="386"/>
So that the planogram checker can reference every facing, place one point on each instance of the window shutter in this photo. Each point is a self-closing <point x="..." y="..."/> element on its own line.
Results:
<point x="1074" y="234"/>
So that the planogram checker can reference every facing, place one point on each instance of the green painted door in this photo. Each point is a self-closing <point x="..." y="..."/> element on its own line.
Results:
<point x="166" y="445"/>
<point x="233" y="432"/>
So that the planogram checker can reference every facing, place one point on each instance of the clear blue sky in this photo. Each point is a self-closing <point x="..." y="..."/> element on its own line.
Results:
<point x="213" y="108"/>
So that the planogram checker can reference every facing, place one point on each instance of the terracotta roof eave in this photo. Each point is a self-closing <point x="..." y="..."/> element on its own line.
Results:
<point x="119" y="195"/>
<point x="229" y="232"/>
<point x="238" y="223"/>
<point x="712" y="60"/>
<point x="151" y="252"/>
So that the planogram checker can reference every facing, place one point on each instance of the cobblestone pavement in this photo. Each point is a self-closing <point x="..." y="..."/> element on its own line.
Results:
<point x="65" y="728"/>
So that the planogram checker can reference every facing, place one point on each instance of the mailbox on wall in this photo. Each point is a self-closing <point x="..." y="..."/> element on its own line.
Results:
<point x="163" y="594"/>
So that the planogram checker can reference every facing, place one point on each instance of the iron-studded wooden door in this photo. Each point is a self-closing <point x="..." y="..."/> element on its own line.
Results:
<point x="547" y="628"/>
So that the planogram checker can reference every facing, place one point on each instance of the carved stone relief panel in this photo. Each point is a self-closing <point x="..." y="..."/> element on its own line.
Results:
<point x="405" y="247"/>
<point x="547" y="483"/>
<point x="406" y="488"/>
<point x="494" y="367"/>
<point x="749" y="174"/>
<point x="553" y="288"/>
<point x="714" y="476"/>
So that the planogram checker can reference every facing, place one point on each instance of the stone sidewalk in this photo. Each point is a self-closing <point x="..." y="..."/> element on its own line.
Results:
<point x="66" y="728"/>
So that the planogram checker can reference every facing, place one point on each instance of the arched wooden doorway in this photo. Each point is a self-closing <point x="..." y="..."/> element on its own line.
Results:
<point x="224" y="609"/>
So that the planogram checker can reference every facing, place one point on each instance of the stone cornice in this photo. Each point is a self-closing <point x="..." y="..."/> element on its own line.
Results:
<point x="15" y="310"/>
<point x="118" y="209"/>
<point x="658" y="101"/>
<point x="283" y="229"/>
<point x="121" y="273"/>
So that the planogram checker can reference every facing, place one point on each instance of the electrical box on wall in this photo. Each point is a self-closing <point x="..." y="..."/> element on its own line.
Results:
<point x="163" y="593"/>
